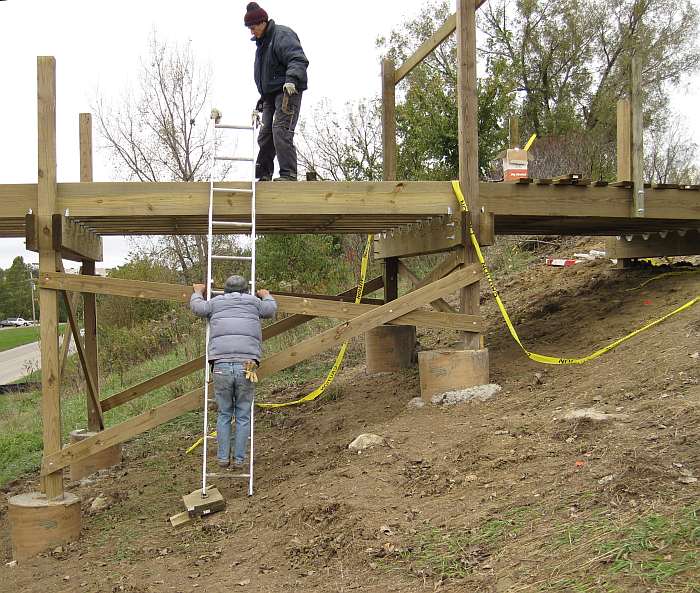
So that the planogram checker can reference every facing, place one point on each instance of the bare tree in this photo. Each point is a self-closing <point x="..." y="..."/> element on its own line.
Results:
<point x="345" y="147"/>
<point x="671" y="153"/>
<point x="159" y="133"/>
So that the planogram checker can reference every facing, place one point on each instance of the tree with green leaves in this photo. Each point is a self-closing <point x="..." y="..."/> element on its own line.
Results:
<point x="426" y="109"/>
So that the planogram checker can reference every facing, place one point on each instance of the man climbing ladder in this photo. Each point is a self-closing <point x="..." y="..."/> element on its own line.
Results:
<point x="280" y="75"/>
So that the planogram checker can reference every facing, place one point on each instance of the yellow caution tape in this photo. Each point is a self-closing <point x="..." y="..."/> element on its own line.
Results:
<point x="341" y="355"/>
<point x="338" y="361"/>
<point x="664" y="275"/>
<point x="528" y="144"/>
<point x="199" y="442"/>
<point x="540" y="357"/>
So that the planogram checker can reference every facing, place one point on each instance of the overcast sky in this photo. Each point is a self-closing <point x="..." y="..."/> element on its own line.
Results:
<point x="99" y="44"/>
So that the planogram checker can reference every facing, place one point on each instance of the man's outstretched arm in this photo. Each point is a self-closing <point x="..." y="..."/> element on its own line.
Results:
<point x="199" y="306"/>
<point x="268" y="305"/>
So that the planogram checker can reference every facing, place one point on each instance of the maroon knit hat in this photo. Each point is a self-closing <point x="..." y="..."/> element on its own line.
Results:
<point x="254" y="15"/>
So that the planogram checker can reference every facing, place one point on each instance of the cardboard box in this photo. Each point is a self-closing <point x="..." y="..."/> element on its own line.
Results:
<point x="514" y="164"/>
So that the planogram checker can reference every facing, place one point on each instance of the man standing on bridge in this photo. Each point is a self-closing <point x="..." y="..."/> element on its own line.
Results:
<point x="235" y="347"/>
<point x="280" y="75"/>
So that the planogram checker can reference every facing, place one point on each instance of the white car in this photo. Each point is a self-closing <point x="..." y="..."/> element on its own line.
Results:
<point x="15" y="322"/>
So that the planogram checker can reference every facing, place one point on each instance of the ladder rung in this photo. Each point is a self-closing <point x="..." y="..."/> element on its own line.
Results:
<point x="233" y="127"/>
<point x="232" y="257"/>
<point x="228" y="190"/>
<point x="245" y="225"/>
<point x="234" y="158"/>
<point x="228" y="475"/>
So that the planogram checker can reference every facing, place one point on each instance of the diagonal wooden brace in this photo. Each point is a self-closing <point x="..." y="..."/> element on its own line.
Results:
<point x="377" y="316"/>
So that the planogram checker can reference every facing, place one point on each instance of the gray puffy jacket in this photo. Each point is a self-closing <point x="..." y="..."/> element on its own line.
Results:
<point x="235" y="333"/>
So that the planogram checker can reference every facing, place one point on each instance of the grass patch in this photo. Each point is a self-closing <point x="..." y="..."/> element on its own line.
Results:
<point x="652" y="550"/>
<point x="20" y="421"/>
<point x="454" y="554"/>
<point x="19" y="336"/>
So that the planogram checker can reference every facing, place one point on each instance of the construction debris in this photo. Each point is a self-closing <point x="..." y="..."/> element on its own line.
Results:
<point x="365" y="441"/>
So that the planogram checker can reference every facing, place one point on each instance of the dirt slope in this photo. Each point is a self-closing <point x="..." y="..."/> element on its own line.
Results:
<point x="501" y="495"/>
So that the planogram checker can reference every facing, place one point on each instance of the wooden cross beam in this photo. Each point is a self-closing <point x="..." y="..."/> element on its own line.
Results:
<point x="286" y="304"/>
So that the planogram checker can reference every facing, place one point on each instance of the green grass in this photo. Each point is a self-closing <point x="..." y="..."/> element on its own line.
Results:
<point x="19" y="336"/>
<point x="653" y="551"/>
<point x="454" y="554"/>
<point x="20" y="421"/>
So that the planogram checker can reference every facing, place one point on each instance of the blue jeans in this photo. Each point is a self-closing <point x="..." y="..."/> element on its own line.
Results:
<point x="234" y="396"/>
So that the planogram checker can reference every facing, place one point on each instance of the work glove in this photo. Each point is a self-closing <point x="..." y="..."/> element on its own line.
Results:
<point x="260" y="105"/>
<point x="250" y="368"/>
<point x="290" y="88"/>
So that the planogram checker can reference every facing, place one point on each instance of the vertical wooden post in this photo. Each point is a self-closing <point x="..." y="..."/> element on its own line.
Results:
<point x="637" y="139"/>
<point x="513" y="132"/>
<point x="52" y="484"/>
<point x="391" y="265"/>
<point x="89" y="300"/>
<point x="467" y="109"/>
<point x="624" y="140"/>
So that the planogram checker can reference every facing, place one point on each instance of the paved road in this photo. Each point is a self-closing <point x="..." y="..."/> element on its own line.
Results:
<point x="14" y="363"/>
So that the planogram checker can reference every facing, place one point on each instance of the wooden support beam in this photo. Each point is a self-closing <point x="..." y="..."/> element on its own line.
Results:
<point x="391" y="279"/>
<point x="138" y="208"/>
<point x="666" y="244"/>
<point x="430" y="45"/>
<point x="638" y="209"/>
<point x="114" y="435"/>
<point x="303" y="306"/>
<point x="624" y="140"/>
<point x="71" y="239"/>
<point x="92" y="392"/>
<point x="467" y="110"/>
<point x="89" y="299"/>
<point x="442" y="233"/>
<point x="438" y="304"/>
<point x="513" y="132"/>
<point x="388" y="121"/>
<point x="67" y="337"/>
<point x="363" y="323"/>
<point x="52" y="482"/>
<point x="56" y="461"/>
<point x="166" y="378"/>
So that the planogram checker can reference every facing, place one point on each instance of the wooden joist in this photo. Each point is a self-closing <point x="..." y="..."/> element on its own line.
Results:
<point x="71" y="239"/>
<point x="666" y="244"/>
<point x="438" y="234"/>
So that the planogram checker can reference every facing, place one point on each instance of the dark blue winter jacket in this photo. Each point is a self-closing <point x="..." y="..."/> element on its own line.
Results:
<point x="279" y="59"/>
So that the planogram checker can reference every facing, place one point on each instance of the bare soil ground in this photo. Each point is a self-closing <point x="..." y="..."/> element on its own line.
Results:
<point x="495" y="496"/>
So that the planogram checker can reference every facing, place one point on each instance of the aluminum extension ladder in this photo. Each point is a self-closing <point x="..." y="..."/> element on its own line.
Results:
<point x="215" y="224"/>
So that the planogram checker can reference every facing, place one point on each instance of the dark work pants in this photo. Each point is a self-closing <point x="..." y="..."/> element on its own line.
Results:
<point x="277" y="137"/>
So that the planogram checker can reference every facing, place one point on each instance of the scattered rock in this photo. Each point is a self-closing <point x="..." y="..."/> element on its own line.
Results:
<point x="386" y="530"/>
<point x="12" y="564"/>
<point x="592" y="415"/>
<point x="471" y="478"/>
<point x="99" y="504"/>
<point x="695" y="355"/>
<point x="501" y="432"/>
<point x="416" y="402"/>
<point x="479" y="393"/>
<point x="365" y="441"/>
<point x="243" y="583"/>
<point x="606" y="479"/>
<point x="687" y="480"/>
<point x="539" y="378"/>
